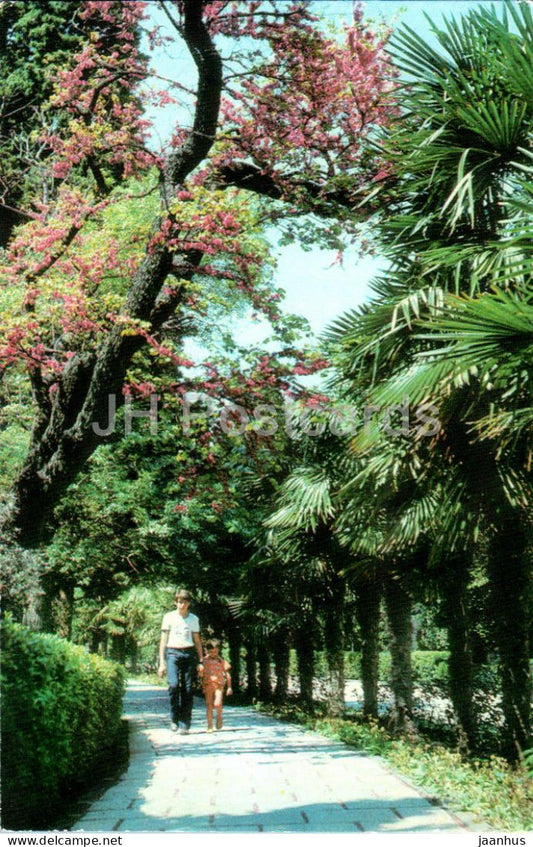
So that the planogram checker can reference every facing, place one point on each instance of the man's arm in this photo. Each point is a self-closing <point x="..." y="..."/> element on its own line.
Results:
<point x="162" y="652"/>
<point x="198" y="645"/>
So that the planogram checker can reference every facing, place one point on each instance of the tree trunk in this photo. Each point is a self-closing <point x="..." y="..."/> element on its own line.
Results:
<point x="265" y="686"/>
<point x="234" y="639"/>
<point x="118" y="649"/>
<point x="64" y="435"/>
<point x="251" y="675"/>
<point x="98" y="636"/>
<point x="33" y="616"/>
<point x="398" y="605"/>
<point x="454" y="584"/>
<point x="64" y="611"/>
<point x="58" y="605"/>
<point x="334" y="644"/>
<point x="509" y="571"/>
<point x="368" y="601"/>
<point x="49" y="609"/>
<point x="510" y="579"/>
<point x="133" y="655"/>
<point x="305" y="657"/>
<point x="281" y="652"/>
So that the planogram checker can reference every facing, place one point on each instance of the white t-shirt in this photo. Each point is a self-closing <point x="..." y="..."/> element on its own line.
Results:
<point x="180" y="629"/>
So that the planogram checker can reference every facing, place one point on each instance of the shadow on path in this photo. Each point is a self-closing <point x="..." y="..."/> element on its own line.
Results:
<point x="256" y="775"/>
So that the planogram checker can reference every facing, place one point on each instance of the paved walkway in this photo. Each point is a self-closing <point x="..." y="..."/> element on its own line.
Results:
<point x="255" y="775"/>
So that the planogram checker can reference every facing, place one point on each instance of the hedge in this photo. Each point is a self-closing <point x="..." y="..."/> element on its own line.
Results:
<point x="61" y="713"/>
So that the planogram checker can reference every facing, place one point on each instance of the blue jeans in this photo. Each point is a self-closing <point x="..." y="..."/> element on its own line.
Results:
<point x="180" y="676"/>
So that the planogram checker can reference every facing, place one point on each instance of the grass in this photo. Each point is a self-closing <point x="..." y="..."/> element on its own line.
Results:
<point x="149" y="678"/>
<point x="489" y="789"/>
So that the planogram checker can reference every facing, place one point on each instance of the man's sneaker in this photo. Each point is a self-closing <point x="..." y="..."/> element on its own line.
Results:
<point x="210" y="729"/>
<point x="184" y="731"/>
<point x="174" y="727"/>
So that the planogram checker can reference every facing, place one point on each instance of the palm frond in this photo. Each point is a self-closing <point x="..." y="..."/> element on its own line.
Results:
<point x="482" y="328"/>
<point x="304" y="501"/>
<point x="418" y="518"/>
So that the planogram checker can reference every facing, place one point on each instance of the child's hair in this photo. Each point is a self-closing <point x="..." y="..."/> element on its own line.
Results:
<point x="213" y="642"/>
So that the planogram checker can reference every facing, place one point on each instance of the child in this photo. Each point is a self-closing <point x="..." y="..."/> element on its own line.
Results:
<point x="214" y="678"/>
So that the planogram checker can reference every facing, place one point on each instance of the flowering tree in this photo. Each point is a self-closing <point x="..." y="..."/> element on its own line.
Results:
<point x="289" y="117"/>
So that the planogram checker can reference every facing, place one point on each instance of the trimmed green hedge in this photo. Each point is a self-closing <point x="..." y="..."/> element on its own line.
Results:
<point x="61" y="712"/>
<point x="429" y="666"/>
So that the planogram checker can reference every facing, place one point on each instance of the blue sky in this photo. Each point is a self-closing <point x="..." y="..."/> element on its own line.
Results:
<point x="315" y="286"/>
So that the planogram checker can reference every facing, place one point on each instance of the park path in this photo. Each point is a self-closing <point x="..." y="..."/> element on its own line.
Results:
<point x="255" y="775"/>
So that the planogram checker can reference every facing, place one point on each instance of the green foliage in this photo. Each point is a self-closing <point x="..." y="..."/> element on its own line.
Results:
<point x="21" y="571"/>
<point x="528" y="761"/>
<point x="16" y="419"/>
<point x="60" y="714"/>
<point x="491" y="790"/>
<point x="429" y="627"/>
<point x="429" y="666"/>
<point x="131" y="624"/>
<point x="35" y="39"/>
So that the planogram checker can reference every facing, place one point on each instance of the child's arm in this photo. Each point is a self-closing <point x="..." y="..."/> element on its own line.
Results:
<point x="229" y="690"/>
<point x="201" y="666"/>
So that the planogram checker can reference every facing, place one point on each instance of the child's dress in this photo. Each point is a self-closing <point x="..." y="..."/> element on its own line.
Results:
<point x="214" y="675"/>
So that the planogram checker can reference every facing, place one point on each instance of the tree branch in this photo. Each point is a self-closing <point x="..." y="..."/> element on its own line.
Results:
<point x="323" y="201"/>
<point x="209" y="65"/>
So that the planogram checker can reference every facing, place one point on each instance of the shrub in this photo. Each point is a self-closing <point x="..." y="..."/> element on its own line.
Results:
<point x="60" y="715"/>
<point x="430" y="667"/>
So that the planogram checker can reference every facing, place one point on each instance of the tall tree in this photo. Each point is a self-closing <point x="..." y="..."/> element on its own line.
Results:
<point x="285" y="128"/>
<point x="461" y="154"/>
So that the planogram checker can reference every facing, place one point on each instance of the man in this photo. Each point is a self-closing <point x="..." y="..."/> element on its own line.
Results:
<point x="179" y="648"/>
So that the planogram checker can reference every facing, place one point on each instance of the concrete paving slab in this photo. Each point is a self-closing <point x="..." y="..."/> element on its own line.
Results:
<point x="256" y="775"/>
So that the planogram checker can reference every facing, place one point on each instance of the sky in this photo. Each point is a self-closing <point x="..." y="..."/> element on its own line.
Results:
<point x="317" y="286"/>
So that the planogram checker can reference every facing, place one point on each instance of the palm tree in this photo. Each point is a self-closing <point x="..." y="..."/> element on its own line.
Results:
<point x="302" y="532"/>
<point x="459" y="154"/>
<point x="422" y="544"/>
<point x="314" y="518"/>
<point x="490" y="339"/>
